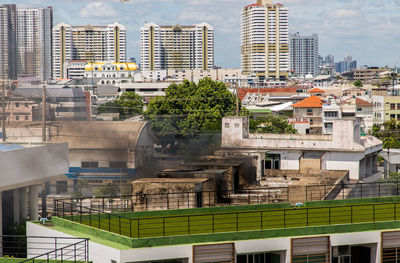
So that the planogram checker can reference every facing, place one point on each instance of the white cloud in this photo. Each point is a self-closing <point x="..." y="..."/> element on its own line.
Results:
<point x="98" y="9"/>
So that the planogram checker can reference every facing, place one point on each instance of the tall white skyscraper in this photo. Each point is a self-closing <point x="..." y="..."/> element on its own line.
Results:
<point x="303" y="55"/>
<point x="8" y="42"/>
<point x="90" y="43"/>
<point x="35" y="41"/>
<point x="265" y="40"/>
<point x="177" y="47"/>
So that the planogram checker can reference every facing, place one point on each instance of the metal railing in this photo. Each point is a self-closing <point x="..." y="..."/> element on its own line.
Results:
<point x="44" y="249"/>
<point x="76" y="252"/>
<point x="228" y="222"/>
<point x="181" y="200"/>
<point x="352" y="190"/>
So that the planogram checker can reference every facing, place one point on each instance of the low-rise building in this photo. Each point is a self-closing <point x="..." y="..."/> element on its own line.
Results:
<point x="324" y="231"/>
<point x="369" y="73"/>
<point x="310" y="110"/>
<point x="66" y="103"/>
<point x="345" y="149"/>
<point x="391" y="108"/>
<point x="100" y="152"/>
<point x="24" y="168"/>
<point x="110" y="72"/>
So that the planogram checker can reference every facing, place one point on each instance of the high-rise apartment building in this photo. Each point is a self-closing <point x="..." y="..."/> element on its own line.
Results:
<point x="303" y="55"/>
<point x="8" y="42"/>
<point x="34" y="41"/>
<point x="90" y="43"/>
<point x="265" y="40"/>
<point x="177" y="47"/>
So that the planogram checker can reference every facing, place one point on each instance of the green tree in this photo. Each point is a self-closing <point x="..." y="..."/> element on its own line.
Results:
<point x="271" y="124"/>
<point x="358" y="84"/>
<point x="189" y="110"/>
<point x="129" y="104"/>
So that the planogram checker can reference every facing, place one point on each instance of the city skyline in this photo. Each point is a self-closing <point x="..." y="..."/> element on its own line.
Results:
<point x="365" y="29"/>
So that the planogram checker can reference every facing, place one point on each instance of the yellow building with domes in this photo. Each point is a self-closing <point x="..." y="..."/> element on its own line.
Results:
<point x="110" y="72"/>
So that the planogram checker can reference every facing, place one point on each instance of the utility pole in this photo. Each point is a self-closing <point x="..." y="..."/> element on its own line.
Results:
<point x="237" y="100"/>
<point x="3" y="110"/>
<point x="44" y="112"/>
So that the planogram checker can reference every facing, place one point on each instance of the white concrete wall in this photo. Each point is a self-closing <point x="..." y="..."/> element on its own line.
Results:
<point x="290" y="160"/>
<point x="157" y="253"/>
<point x="266" y="245"/>
<point x="344" y="161"/>
<point x="97" y="253"/>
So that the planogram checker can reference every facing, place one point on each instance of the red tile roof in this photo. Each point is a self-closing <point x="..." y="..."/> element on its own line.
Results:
<point x="252" y="5"/>
<point x="310" y="102"/>
<point x="361" y="103"/>
<point x="316" y="90"/>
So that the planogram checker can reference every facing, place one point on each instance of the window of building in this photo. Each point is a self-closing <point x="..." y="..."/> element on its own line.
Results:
<point x="392" y="106"/>
<point x="26" y="118"/>
<point x="118" y="165"/>
<point x="398" y="106"/>
<point x="26" y="105"/>
<point x="17" y="105"/>
<point x="90" y="164"/>
<point x="331" y="114"/>
<point x="272" y="161"/>
<point x="236" y="125"/>
<point x="348" y="114"/>
<point x="17" y="118"/>
<point x="226" y="125"/>
<point x="61" y="187"/>
<point x="393" y="116"/>
<point x="258" y="258"/>
<point x="359" y="109"/>
<point x="398" y="117"/>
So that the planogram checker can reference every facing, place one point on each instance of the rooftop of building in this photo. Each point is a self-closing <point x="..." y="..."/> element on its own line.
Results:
<point x="310" y="102"/>
<point x="316" y="90"/>
<point x="10" y="147"/>
<point x="360" y="102"/>
<point x="54" y="92"/>
<point x="171" y="180"/>
<point x="202" y="225"/>
<point x="130" y="66"/>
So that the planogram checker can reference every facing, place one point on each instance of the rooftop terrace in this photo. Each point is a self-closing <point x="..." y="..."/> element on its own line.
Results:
<point x="160" y="228"/>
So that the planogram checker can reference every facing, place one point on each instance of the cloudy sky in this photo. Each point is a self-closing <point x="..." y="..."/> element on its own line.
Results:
<point x="368" y="30"/>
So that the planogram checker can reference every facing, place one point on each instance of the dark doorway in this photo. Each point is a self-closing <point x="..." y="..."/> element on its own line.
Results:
<point x="199" y="199"/>
<point x="360" y="254"/>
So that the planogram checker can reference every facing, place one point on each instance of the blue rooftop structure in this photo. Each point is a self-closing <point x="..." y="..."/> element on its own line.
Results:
<point x="10" y="147"/>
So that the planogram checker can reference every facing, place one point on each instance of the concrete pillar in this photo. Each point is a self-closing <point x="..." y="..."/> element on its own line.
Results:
<point x="23" y="204"/>
<point x="371" y="165"/>
<point x="362" y="172"/>
<point x="33" y="202"/>
<point x="1" y="223"/>
<point x="375" y="163"/>
<point x="16" y="205"/>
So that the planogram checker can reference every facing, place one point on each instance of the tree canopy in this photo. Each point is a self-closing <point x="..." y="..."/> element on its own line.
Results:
<point x="388" y="133"/>
<point x="271" y="124"/>
<point x="127" y="105"/>
<point x="190" y="109"/>
<point x="358" y="84"/>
